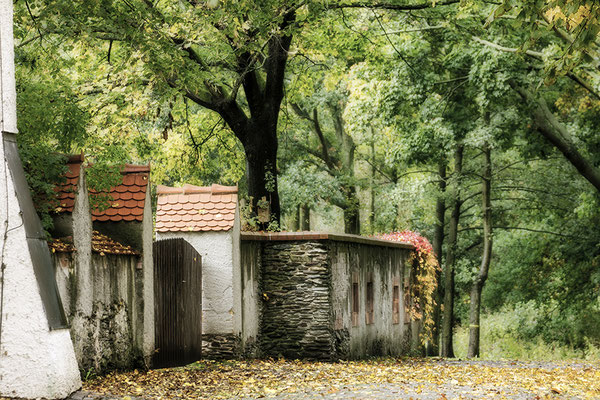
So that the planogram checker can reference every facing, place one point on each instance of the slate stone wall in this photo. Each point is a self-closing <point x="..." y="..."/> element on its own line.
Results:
<point x="296" y="312"/>
<point x="297" y="294"/>
<point x="220" y="346"/>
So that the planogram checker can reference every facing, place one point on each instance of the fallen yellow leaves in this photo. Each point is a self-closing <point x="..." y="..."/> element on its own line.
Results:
<point x="436" y="379"/>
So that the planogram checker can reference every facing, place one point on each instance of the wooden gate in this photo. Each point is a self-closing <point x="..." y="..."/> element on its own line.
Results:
<point x="177" y="303"/>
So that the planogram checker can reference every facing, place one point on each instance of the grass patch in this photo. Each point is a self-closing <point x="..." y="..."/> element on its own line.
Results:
<point x="501" y="339"/>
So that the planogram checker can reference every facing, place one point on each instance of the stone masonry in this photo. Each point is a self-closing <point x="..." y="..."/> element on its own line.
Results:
<point x="298" y="293"/>
<point x="296" y="313"/>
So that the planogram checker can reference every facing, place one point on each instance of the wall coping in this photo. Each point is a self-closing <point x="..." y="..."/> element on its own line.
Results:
<point x="339" y="237"/>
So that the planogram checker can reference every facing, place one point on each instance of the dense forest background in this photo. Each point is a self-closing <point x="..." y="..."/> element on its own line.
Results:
<point x="473" y="123"/>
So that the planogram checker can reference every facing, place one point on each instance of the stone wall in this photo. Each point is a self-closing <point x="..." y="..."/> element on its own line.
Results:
<point x="296" y="316"/>
<point x="220" y="346"/>
<point x="108" y="314"/>
<point x="383" y="267"/>
<point x="299" y="289"/>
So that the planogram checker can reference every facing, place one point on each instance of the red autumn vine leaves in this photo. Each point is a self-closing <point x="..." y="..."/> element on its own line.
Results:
<point x="424" y="282"/>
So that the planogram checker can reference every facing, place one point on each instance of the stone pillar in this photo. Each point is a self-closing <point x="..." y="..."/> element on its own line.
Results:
<point x="36" y="354"/>
<point x="147" y="343"/>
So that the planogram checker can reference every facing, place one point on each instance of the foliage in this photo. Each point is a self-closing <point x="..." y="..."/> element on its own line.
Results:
<point x="51" y="125"/>
<point x="424" y="283"/>
<point x="169" y="82"/>
<point x="377" y="378"/>
<point x="251" y="219"/>
<point x="516" y="333"/>
<point x="75" y="97"/>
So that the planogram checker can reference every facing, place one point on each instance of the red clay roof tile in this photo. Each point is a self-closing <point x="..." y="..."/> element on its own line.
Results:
<point x="196" y="208"/>
<point x="130" y="168"/>
<point x="65" y="192"/>
<point x="63" y="245"/>
<point x="128" y="198"/>
<point x="104" y="245"/>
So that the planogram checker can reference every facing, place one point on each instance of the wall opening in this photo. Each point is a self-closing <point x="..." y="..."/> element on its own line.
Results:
<point x="370" y="303"/>
<point x="355" y="299"/>
<point x="396" y="304"/>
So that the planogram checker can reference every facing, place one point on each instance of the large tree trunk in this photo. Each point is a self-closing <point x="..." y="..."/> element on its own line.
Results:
<point x="305" y="220"/>
<point x="448" y="317"/>
<point x="351" y="212"/>
<point x="438" y="240"/>
<point x="261" y="168"/>
<point x="257" y="130"/>
<point x="475" y="309"/>
<point x="372" y="187"/>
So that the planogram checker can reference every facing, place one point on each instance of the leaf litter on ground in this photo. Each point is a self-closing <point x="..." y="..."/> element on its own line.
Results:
<point x="376" y="378"/>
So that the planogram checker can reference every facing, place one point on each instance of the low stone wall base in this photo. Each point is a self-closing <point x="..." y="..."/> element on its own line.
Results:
<point x="220" y="346"/>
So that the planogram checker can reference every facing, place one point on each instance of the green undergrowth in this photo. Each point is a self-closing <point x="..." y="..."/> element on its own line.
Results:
<point x="502" y="338"/>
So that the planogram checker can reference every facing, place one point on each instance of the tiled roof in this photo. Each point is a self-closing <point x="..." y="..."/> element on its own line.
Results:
<point x="101" y="244"/>
<point x="104" y="245"/>
<point x="196" y="208"/>
<point x="128" y="198"/>
<point x="64" y="245"/>
<point x="65" y="193"/>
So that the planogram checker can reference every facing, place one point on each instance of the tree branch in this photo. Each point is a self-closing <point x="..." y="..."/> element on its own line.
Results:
<point x="278" y="48"/>
<point x="315" y="154"/>
<point x="549" y="126"/>
<point x="314" y="120"/>
<point x="520" y="228"/>
<point x="250" y="82"/>
<point x="323" y="140"/>
<point x="195" y="97"/>
<point x="540" y="57"/>
<point x="391" y="6"/>
<point x="425" y="28"/>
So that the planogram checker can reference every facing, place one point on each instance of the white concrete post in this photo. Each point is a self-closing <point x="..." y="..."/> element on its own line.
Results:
<point x="35" y="361"/>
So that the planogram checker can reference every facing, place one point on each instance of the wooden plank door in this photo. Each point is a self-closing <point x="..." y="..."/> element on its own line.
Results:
<point x="177" y="303"/>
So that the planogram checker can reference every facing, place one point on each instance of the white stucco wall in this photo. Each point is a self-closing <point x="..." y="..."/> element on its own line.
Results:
<point x="8" y="94"/>
<point x="237" y="276"/>
<point x="216" y="249"/>
<point x="35" y="361"/>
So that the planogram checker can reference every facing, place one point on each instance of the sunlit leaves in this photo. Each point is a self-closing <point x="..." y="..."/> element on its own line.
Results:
<point x="380" y="377"/>
<point x="425" y="283"/>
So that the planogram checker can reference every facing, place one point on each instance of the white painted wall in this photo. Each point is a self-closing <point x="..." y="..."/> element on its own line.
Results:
<point x="216" y="249"/>
<point x="8" y="93"/>
<point x="251" y="296"/>
<point x="34" y="361"/>
<point x="237" y="276"/>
